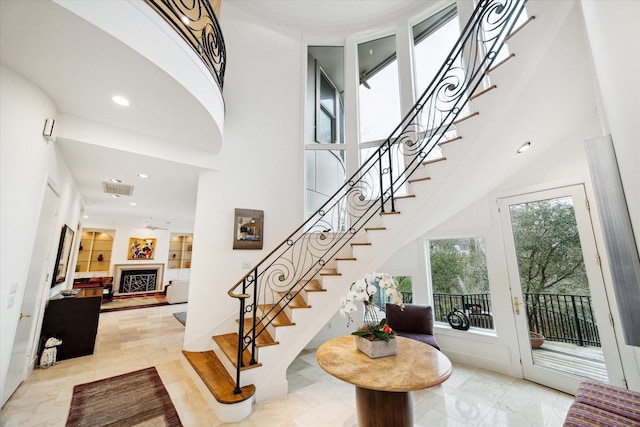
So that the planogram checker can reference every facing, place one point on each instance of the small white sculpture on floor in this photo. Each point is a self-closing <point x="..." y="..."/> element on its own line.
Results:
<point x="50" y="353"/>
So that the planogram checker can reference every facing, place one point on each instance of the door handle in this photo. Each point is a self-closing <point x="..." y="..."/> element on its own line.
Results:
<point x="23" y="315"/>
<point x="516" y="305"/>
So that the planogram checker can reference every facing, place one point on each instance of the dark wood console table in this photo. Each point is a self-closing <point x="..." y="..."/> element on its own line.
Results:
<point x="74" y="320"/>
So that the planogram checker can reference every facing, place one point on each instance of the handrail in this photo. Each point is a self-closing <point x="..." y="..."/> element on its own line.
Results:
<point x="196" y="22"/>
<point x="280" y="276"/>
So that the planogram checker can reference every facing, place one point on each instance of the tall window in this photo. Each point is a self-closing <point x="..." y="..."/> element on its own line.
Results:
<point x="433" y="40"/>
<point x="459" y="280"/>
<point x="325" y="150"/>
<point x="379" y="91"/>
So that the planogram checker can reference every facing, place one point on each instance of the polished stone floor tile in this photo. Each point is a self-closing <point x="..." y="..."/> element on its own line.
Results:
<point x="136" y="339"/>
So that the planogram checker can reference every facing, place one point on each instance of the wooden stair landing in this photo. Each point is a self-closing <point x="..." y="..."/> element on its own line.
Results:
<point x="216" y="378"/>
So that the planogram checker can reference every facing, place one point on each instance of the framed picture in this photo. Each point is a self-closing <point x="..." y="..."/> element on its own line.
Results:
<point x="141" y="248"/>
<point x="248" y="230"/>
<point x="62" y="258"/>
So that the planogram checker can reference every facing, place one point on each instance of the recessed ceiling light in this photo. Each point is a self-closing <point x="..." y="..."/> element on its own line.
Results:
<point x="143" y="175"/>
<point x="121" y="100"/>
<point x="86" y="216"/>
<point x="115" y="180"/>
<point x="133" y="203"/>
<point x="524" y="147"/>
<point x="115" y="196"/>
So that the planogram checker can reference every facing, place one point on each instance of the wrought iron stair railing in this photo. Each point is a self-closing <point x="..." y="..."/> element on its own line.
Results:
<point x="278" y="278"/>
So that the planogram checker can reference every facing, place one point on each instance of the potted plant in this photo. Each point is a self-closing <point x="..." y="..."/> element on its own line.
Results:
<point x="374" y="338"/>
<point x="536" y="339"/>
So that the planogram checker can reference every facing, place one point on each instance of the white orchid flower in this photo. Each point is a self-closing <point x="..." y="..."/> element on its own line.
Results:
<point x="353" y="296"/>
<point x="350" y="307"/>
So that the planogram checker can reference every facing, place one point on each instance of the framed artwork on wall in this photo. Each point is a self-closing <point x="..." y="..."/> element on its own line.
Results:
<point x="62" y="258"/>
<point x="141" y="248"/>
<point x="248" y="230"/>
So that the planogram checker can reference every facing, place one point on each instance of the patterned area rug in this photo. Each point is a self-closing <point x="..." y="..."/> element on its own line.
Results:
<point x="134" y="399"/>
<point x="131" y="302"/>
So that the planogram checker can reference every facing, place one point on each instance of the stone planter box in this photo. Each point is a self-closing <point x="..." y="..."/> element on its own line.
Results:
<point x="378" y="348"/>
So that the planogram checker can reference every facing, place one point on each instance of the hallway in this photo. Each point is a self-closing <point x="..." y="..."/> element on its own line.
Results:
<point x="136" y="339"/>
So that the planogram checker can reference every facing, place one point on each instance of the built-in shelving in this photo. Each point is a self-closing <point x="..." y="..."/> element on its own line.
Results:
<point x="94" y="252"/>
<point x="180" y="247"/>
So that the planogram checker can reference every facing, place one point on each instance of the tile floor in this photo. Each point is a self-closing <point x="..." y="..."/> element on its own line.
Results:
<point x="136" y="339"/>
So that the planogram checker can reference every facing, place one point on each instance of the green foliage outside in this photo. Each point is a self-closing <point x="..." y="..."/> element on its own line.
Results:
<point x="458" y="266"/>
<point x="548" y="248"/>
<point x="404" y="284"/>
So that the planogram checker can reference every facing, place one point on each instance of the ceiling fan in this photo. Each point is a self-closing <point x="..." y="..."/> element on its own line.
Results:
<point x="149" y="225"/>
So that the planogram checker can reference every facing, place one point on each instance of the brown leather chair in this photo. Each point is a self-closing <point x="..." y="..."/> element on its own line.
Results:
<point x="415" y="322"/>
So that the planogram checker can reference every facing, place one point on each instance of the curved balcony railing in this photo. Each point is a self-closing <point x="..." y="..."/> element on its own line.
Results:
<point x="196" y="22"/>
<point x="276" y="281"/>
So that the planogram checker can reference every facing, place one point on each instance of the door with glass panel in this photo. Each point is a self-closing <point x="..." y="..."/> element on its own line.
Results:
<point x="559" y="300"/>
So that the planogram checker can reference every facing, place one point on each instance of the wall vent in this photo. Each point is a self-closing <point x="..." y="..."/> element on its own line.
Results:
<point x="119" y="189"/>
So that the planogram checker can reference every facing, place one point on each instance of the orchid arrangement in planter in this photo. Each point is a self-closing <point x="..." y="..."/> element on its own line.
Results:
<point x="364" y="290"/>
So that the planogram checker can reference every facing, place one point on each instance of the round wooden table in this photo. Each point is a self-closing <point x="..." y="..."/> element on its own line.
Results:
<point x="384" y="385"/>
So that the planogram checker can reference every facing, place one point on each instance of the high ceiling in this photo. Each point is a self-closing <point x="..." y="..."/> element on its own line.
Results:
<point x="81" y="67"/>
<point x="336" y="16"/>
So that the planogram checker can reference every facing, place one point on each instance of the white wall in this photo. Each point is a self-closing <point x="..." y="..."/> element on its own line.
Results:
<point x="27" y="163"/>
<point x="262" y="166"/>
<point x="614" y="34"/>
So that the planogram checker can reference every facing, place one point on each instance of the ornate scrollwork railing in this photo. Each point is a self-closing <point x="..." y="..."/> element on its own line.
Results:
<point x="274" y="282"/>
<point x="196" y="22"/>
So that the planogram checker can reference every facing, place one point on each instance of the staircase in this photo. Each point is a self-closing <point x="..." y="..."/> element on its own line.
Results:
<point x="289" y="296"/>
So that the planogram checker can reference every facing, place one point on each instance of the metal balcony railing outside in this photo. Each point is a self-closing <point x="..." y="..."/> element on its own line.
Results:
<point x="477" y="307"/>
<point x="264" y="292"/>
<point x="562" y="317"/>
<point x="559" y="317"/>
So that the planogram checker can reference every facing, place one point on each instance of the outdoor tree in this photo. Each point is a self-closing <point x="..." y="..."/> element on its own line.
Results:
<point x="446" y="266"/>
<point x="458" y="266"/>
<point x="548" y="247"/>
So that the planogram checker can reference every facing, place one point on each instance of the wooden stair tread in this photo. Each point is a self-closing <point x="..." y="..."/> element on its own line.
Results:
<point x="482" y="92"/>
<point x="264" y="338"/>
<point x="296" y="302"/>
<point x="228" y="343"/>
<point x="216" y="378"/>
<point x="517" y="30"/>
<point x="408" y="196"/>
<point x="360" y="244"/>
<point x="476" y="113"/>
<point x="390" y="213"/>
<point x="314" y="286"/>
<point x="490" y="70"/>
<point x="346" y="259"/>
<point x="375" y="228"/>
<point x="330" y="272"/>
<point x="447" y="141"/>
<point x="424" y="178"/>
<point x="279" y="319"/>
<point x="432" y="161"/>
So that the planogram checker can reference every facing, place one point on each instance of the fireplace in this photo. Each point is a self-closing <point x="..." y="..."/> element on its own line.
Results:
<point x="138" y="278"/>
